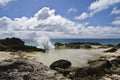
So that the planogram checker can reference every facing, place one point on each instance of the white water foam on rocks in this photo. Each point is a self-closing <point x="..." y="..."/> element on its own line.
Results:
<point x="44" y="43"/>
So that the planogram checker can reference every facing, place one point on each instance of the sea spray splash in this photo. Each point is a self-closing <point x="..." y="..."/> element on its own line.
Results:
<point x="44" y="43"/>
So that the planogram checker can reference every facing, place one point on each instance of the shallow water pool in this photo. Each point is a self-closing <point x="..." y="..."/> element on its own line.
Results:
<point x="78" y="57"/>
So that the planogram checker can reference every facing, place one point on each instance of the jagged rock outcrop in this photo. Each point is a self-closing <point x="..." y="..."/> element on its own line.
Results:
<point x="16" y="44"/>
<point x="111" y="50"/>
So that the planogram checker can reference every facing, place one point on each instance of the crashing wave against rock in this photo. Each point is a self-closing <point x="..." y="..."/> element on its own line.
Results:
<point x="16" y="44"/>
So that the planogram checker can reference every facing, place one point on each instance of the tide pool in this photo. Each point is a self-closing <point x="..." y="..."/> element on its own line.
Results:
<point x="78" y="57"/>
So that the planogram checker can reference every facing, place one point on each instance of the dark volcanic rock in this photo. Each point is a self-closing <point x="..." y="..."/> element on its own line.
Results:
<point x="24" y="69"/>
<point x="110" y="45"/>
<point x="116" y="62"/>
<point x="2" y="47"/>
<point x="76" y="45"/>
<point x="98" y="67"/>
<point x="57" y="44"/>
<point x="60" y="64"/>
<point x="95" y="68"/>
<point x="111" y="50"/>
<point x="12" y="43"/>
<point x="16" y="44"/>
<point x="100" y="63"/>
<point x="86" y="46"/>
<point x="117" y="46"/>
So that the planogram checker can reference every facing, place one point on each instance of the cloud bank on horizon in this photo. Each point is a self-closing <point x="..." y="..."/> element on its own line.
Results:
<point x="46" y="22"/>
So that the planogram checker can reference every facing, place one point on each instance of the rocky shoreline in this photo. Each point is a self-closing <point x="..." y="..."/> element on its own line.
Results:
<point x="103" y="68"/>
<point x="81" y="45"/>
<point x="106" y="67"/>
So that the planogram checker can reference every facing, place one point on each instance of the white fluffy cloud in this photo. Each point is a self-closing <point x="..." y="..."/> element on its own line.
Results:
<point x="99" y="5"/>
<point x="83" y="16"/>
<point x="46" y="23"/>
<point x="4" y="2"/>
<point x="116" y="22"/>
<point x="72" y="10"/>
<point x="44" y="13"/>
<point x="115" y="11"/>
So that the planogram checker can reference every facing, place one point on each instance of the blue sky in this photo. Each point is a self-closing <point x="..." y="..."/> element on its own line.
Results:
<point x="76" y="18"/>
<point x="29" y="7"/>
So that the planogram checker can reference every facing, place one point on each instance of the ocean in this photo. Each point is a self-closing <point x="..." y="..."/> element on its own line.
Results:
<point x="53" y="41"/>
<point x="102" y="41"/>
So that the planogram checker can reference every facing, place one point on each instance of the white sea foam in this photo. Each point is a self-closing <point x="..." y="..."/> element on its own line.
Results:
<point x="44" y="43"/>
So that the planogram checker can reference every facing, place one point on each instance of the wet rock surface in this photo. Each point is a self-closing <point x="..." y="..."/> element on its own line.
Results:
<point x="24" y="69"/>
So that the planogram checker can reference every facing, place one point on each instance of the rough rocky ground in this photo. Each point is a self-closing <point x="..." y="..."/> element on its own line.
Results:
<point x="24" y="69"/>
<point x="106" y="67"/>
